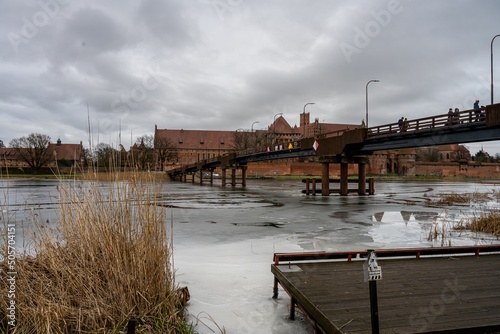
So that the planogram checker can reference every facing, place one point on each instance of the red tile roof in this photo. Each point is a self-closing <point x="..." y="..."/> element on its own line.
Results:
<point x="198" y="139"/>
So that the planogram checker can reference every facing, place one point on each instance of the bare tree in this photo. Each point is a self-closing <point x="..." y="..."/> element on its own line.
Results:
<point x="427" y="154"/>
<point x="1" y="144"/>
<point x="145" y="156"/>
<point x="34" y="150"/>
<point x="462" y="153"/>
<point x="244" y="140"/>
<point x="105" y="155"/>
<point x="165" y="150"/>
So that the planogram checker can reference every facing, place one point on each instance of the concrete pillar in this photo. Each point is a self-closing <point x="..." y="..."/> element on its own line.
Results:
<point x="361" y="179"/>
<point x="233" y="177"/>
<point x="244" y="177"/>
<point x="344" y="181"/>
<point x="325" y="179"/>
<point x="223" y="175"/>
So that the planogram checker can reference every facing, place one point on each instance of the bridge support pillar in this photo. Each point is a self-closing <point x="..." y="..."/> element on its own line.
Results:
<point x="201" y="177"/>
<point x="211" y="177"/>
<point x="233" y="177"/>
<point x="193" y="175"/>
<point x="307" y="187"/>
<point x="314" y="187"/>
<point x="325" y="179"/>
<point x="184" y="178"/>
<point x="361" y="178"/>
<point x="244" y="177"/>
<point x="344" y="187"/>
<point x="223" y="176"/>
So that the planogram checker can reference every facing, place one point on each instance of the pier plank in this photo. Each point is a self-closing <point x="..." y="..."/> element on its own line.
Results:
<point x="436" y="294"/>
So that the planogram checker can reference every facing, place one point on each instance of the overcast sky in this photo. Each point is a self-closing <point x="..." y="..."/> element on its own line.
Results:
<point x="224" y="64"/>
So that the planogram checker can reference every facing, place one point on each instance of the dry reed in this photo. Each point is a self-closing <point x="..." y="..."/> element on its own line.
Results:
<point x="110" y="260"/>
<point x="454" y="198"/>
<point x="483" y="221"/>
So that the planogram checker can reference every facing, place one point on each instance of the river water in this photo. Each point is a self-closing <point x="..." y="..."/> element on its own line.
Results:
<point x="225" y="237"/>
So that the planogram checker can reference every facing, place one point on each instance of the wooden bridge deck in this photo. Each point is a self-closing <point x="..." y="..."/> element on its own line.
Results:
<point x="458" y="294"/>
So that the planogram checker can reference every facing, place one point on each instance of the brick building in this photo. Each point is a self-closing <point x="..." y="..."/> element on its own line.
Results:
<point x="64" y="155"/>
<point x="195" y="145"/>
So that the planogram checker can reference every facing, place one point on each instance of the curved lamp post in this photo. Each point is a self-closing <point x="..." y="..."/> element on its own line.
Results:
<point x="253" y="124"/>
<point x="492" y="67"/>
<point x="306" y="105"/>
<point x="367" y="99"/>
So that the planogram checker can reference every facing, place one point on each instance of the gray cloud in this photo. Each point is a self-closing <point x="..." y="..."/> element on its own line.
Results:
<point x="224" y="64"/>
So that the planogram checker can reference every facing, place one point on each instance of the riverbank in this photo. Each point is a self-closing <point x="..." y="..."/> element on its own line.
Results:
<point x="104" y="261"/>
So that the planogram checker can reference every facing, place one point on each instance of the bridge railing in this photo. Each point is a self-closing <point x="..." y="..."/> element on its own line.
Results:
<point x="438" y="121"/>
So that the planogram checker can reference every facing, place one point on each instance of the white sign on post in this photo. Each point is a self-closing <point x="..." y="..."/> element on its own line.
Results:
<point x="373" y="272"/>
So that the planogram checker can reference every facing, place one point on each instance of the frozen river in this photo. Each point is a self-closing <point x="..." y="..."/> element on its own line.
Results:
<point x="224" y="238"/>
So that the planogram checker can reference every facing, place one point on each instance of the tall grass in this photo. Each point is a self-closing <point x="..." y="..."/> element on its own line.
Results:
<point x="484" y="221"/>
<point x="108" y="261"/>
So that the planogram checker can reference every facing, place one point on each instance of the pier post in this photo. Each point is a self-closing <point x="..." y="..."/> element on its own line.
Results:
<point x="361" y="178"/>
<point x="184" y="178"/>
<point x="244" y="176"/>
<point x="344" y="185"/>
<point x="233" y="177"/>
<point x="223" y="175"/>
<point x="211" y="177"/>
<point x="325" y="179"/>
<point x="371" y="186"/>
<point x="193" y="174"/>
<point x="314" y="187"/>
<point x="201" y="177"/>
<point x="307" y="186"/>
<point x="292" y="308"/>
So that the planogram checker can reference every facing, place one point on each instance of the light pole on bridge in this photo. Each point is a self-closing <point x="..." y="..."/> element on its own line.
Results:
<point x="492" y="67"/>
<point x="367" y="99"/>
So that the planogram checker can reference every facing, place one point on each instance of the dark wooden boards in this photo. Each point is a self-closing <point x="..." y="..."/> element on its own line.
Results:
<point x="429" y="295"/>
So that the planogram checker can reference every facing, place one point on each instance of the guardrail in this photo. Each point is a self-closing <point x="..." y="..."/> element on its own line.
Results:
<point x="433" y="122"/>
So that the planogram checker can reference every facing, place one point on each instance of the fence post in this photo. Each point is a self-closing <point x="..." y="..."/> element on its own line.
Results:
<point x="131" y="326"/>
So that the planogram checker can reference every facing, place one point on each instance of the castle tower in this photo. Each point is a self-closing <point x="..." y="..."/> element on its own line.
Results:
<point x="304" y="119"/>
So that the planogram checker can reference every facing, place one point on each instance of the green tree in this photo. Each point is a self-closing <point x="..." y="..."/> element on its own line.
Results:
<point x="34" y="150"/>
<point x="1" y="144"/>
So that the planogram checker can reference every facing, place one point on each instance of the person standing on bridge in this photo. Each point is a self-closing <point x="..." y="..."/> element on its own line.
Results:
<point x="450" y="117"/>
<point x="406" y="125"/>
<point x="456" y="117"/>
<point x="477" y="111"/>
<point x="400" y="124"/>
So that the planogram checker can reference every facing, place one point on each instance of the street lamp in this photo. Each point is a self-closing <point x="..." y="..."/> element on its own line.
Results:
<point x="367" y="99"/>
<point x="253" y="124"/>
<point x="306" y="105"/>
<point x="492" y="67"/>
<point x="303" y="117"/>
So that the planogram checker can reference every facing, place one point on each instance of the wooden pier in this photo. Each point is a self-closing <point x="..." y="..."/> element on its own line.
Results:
<point x="437" y="290"/>
<point x="344" y="190"/>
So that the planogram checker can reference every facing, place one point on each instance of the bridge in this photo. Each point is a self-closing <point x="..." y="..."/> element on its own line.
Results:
<point x="353" y="146"/>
